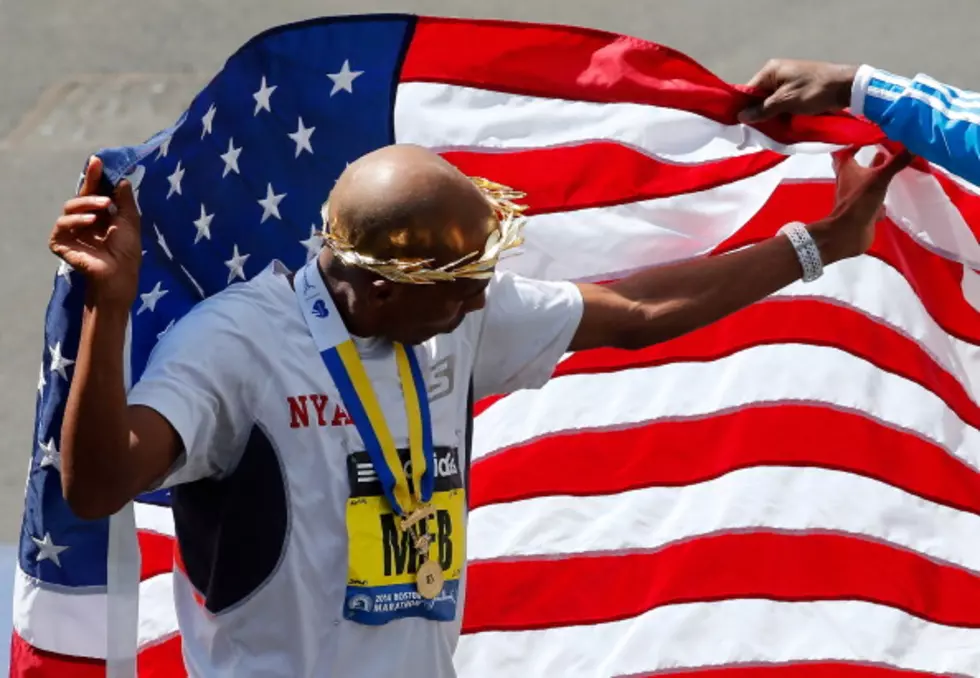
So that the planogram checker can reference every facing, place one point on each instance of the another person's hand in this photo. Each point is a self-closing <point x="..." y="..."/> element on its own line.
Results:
<point x="100" y="238"/>
<point x="801" y="88"/>
<point x="849" y="229"/>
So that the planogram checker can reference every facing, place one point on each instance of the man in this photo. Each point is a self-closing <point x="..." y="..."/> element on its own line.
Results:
<point x="933" y="120"/>
<point x="318" y="419"/>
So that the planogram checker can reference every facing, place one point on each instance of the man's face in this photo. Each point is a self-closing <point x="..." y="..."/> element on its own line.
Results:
<point x="412" y="314"/>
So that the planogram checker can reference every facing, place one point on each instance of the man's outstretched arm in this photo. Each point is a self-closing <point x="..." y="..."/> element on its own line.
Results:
<point x="664" y="302"/>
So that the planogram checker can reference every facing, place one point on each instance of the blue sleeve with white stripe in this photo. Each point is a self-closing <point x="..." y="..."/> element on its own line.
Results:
<point x="935" y="121"/>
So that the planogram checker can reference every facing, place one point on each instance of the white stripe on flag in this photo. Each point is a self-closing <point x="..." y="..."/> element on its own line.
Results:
<point x="449" y="116"/>
<point x="725" y="633"/>
<point x="764" y="374"/>
<point x="754" y="498"/>
<point x="158" y="519"/>
<point x="75" y="623"/>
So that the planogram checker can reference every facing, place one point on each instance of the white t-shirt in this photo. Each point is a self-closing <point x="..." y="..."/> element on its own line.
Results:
<point x="261" y="493"/>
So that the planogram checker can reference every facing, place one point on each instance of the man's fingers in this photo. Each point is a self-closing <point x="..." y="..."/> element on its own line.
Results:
<point x="883" y="170"/>
<point x="870" y="195"/>
<point x="772" y="106"/>
<point x="843" y="158"/>
<point x="881" y="157"/>
<point x="892" y="166"/>
<point x="73" y="222"/>
<point x="847" y="171"/>
<point x="765" y="81"/>
<point x="93" y="173"/>
<point x="764" y="78"/>
<point x="751" y="114"/>
<point x="126" y="202"/>
<point x="87" y="203"/>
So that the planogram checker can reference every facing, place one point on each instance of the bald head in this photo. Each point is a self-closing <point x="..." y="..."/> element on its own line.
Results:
<point x="407" y="202"/>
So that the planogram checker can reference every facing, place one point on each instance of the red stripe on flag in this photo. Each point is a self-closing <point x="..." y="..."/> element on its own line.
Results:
<point x="533" y="593"/>
<point x="552" y="177"/>
<point x="156" y="553"/>
<point x="675" y="453"/>
<point x="815" y="669"/>
<point x="590" y="65"/>
<point x="935" y="280"/>
<point x="792" y="321"/>
<point x="938" y="282"/>
<point x="964" y="200"/>
<point x="163" y="660"/>
<point x="26" y="661"/>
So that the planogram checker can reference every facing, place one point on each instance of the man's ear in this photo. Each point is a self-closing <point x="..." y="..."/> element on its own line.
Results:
<point x="382" y="291"/>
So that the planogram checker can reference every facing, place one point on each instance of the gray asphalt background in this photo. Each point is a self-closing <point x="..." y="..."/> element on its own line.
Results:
<point x="75" y="76"/>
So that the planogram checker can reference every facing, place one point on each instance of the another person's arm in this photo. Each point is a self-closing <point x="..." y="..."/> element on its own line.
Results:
<point x="935" y="121"/>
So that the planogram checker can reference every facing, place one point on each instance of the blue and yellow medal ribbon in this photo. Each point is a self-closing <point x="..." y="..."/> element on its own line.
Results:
<point x="419" y="427"/>
<point x="347" y="371"/>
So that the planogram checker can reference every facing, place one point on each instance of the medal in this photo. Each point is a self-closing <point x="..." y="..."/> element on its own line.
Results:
<point x="429" y="579"/>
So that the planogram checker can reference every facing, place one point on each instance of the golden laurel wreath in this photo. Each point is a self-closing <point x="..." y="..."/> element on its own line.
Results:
<point x="479" y="265"/>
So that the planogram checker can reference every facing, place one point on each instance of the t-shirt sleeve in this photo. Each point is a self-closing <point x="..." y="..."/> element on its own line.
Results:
<point x="199" y="378"/>
<point x="527" y="328"/>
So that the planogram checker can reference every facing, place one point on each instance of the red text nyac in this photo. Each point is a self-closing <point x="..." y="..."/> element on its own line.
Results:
<point x="313" y="409"/>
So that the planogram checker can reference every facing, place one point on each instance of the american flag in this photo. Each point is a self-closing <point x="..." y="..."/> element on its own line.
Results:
<point x="791" y="491"/>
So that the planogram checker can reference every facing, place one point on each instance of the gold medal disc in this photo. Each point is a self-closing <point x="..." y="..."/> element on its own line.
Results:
<point x="429" y="579"/>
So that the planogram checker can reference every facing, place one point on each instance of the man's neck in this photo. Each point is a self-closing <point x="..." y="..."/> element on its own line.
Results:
<point x="342" y="295"/>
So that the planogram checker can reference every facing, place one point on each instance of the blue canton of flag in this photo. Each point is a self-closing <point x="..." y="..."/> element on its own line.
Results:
<point x="236" y="182"/>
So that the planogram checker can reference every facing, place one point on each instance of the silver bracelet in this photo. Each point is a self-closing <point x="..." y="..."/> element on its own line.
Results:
<point x="806" y="250"/>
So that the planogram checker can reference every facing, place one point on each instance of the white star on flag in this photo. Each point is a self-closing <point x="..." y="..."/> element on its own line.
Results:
<point x="48" y="550"/>
<point x="231" y="159"/>
<point x="175" y="180"/>
<point x="51" y="455"/>
<point x="58" y="361"/>
<point x="203" y="225"/>
<point x="135" y="178"/>
<point x="236" y="265"/>
<point x="64" y="270"/>
<point x="344" y="80"/>
<point x="208" y="121"/>
<point x="313" y="243"/>
<point x="150" y="299"/>
<point x="41" y="381"/>
<point x="164" y="147"/>
<point x="162" y="242"/>
<point x="197" y="286"/>
<point x="263" y="98"/>
<point x="270" y="204"/>
<point x="302" y="138"/>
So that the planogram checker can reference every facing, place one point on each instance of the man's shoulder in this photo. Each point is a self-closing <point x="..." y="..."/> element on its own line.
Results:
<point x="511" y="292"/>
<point x="243" y="308"/>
